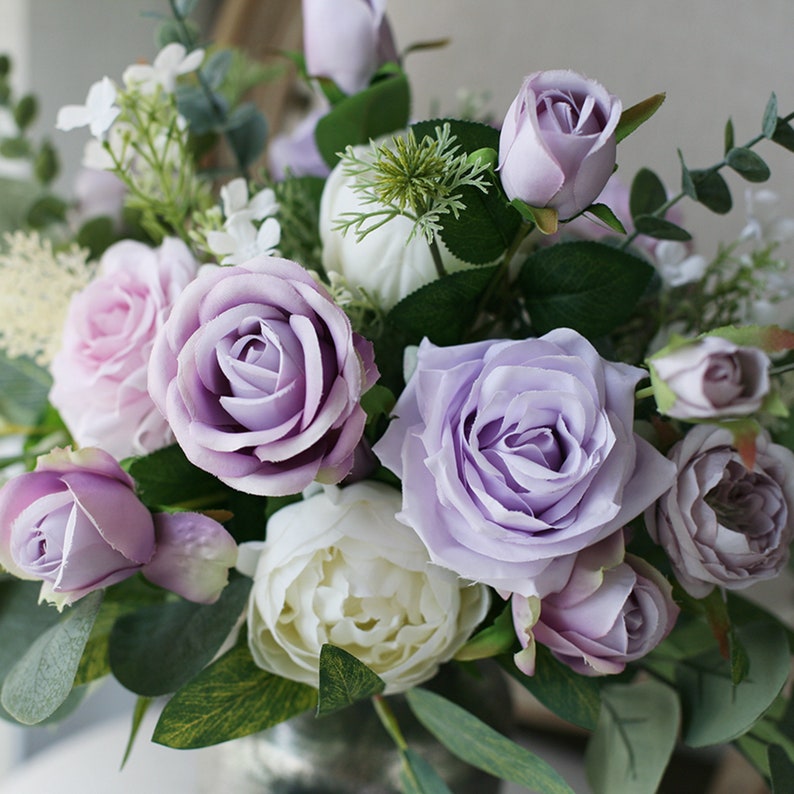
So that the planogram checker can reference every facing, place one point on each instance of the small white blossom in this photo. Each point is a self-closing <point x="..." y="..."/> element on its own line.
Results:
<point x="765" y="224"/>
<point x="99" y="111"/>
<point x="171" y="62"/>
<point x="242" y="241"/>
<point x="237" y="206"/>
<point x="675" y="264"/>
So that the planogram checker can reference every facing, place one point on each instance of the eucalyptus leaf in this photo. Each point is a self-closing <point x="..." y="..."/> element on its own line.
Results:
<point x="784" y="135"/>
<point x="587" y="286"/>
<point x="660" y="228"/>
<point x="634" y="738"/>
<point x="43" y="678"/>
<point x="229" y="699"/>
<point x="481" y="746"/>
<point x="631" y="118"/>
<point x="420" y="777"/>
<point x="156" y="650"/>
<point x="769" y="121"/>
<point x="344" y="680"/>
<point x="24" y="389"/>
<point x="712" y="191"/>
<point x="748" y="165"/>
<point x="781" y="769"/>
<point x="246" y="132"/>
<point x="729" y="136"/>
<point x="647" y="193"/>
<point x="216" y="67"/>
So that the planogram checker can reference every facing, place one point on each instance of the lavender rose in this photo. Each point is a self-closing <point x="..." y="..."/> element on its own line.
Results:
<point x="612" y="610"/>
<point x="99" y="374"/>
<point x="515" y="455"/>
<point x="260" y="376"/>
<point x="722" y="524"/>
<point x="557" y="146"/>
<point x="347" y="41"/>
<point x="709" y="378"/>
<point x="296" y="151"/>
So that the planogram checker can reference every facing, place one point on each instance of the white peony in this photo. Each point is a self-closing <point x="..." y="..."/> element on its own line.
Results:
<point x="339" y="568"/>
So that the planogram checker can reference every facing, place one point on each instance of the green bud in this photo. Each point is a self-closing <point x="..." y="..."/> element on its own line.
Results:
<point x="485" y="155"/>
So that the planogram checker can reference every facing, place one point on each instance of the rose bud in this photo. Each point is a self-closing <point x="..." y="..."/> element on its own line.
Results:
<point x="557" y="146"/>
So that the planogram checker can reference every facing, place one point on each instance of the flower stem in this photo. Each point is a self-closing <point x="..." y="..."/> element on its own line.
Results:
<point x="436" y="254"/>
<point x="641" y="394"/>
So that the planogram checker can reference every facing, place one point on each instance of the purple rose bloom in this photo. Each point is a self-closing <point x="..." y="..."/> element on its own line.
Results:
<point x="612" y="610"/>
<point x="721" y="523"/>
<point x="515" y="455"/>
<point x="75" y="523"/>
<point x="557" y="147"/>
<point x="709" y="378"/>
<point x="297" y="150"/>
<point x="260" y="376"/>
<point x="347" y="41"/>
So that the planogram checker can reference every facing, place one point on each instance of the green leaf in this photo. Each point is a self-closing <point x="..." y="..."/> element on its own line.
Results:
<point x="748" y="164"/>
<point x="215" y="68"/>
<point x="246" y="132"/>
<point x="344" y="680"/>
<point x="493" y="640"/>
<point x="24" y="389"/>
<point x="420" y="777"/>
<point x="139" y="712"/>
<point x="25" y="111"/>
<point x="687" y="182"/>
<point x="156" y="650"/>
<point x="203" y="113"/>
<point x="587" y="286"/>
<point x="769" y="122"/>
<point x="43" y="678"/>
<point x="229" y="699"/>
<point x="46" y="211"/>
<point x="606" y="216"/>
<point x="634" y="739"/>
<point x="444" y="309"/>
<point x="781" y="769"/>
<point x="96" y="235"/>
<point x="715" y="710"/>
<point x="647" y="194"/>
<point x="481" y="746"/>
<point x="729" y="136"/>
<point x="636" y="115"/>
<point x="571" y="697"/>
<point x="784" y="135"/>
<point x="712" y="191"/>
<point x="16" y="197"/>
<point x="383" y="107"/>
<point x="660" y="228"/>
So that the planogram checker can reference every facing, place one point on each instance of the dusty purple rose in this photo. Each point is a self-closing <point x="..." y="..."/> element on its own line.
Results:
<point x="99" y="374"/>
<point x="260" y="376"/>
<point x="557" y="147"/>
<point x="347" y="41"/>
<point x="515" y="455"/>
<point x="296" y="151"/>
<point x="612" y="610"/>
<point x="722" y="524"/>
<point x="709" y="378"/>
<point x="75" y="523"/>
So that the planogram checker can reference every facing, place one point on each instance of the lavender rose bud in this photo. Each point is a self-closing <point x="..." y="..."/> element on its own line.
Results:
<point x="296" y="151"/>
<point x="347" y="41"/>
<point x="557" y="146"/>
<point x="99" y="374"/>
<point x="722" y="524"/>
<point x="75" y="523"/>
<point x="709" y="378"/>
<point x="612" y="610"/>
<point x="516" y="454"/>
<point x="260" y="376"/>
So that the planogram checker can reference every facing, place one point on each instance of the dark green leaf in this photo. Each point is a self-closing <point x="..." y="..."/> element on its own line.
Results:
<point x="25" y="111"/>
<point x="712" y="191"/>
<point x="647" y="193"/>
<point x="46" y="164"/>
<point x="14" y="148"/>
<point x="216" y="67"/>
<point x="748" y="164"/>
<point x="571" y="697"/>
<point x="97" y="235"/>
<point x="481" y="746"/>
<point x="229" y="699"/>
<point x="634" y="738"/>
<point x="638" y="114"/>
<point x="43" y="678"/>
<point x="139" y="712"/>
<point x="606" y="216"/>
<point x="769" y="122"/>
<point x="784" y="135"/>
<point x="687" y="182"/>
<point x="379" y="109"/>
<point x="246" y="131"/>
<point x="781" y="769"/>
<point x="203" y="113"/>
<point x="729" y="137"/>
<point x="344" y="680"/>
<point x="47" y="210"/>
<point x="156" y="650"/>
<point x="660" y="228"/>
<point x="587" y="286"/>
<point x="420" y="777"/>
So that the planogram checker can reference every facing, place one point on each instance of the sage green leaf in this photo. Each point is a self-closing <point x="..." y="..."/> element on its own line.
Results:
<point x="481" y="746"/>
<point x="729" y="136"/>
<point x="139" y="712"/>
<point x="638" y="114"/>
<point x="43" y="678"/>
<point x="24" y="388"/>
<point x="660" y="228"/>
<point x="16" y="197"/>
<point x="156" y="650"/>
<point x="383" y="107"/>
<point x="634" y="738"/>
<point x="748" y="165"/>
<point x="420" y="777"/>
<point x="229" y="699"/>
<point x="344" y="680"/>
<point x="712" y="191"/>
<point x="647" y="193"/>
<point x="571" y="697"/>
<point x="784" y="135"/>
<point x="246" y="133"/>
<point x="587" y="286"/>
<point x="781" y="769"/>
<point x="769" y="122"/>
<point x="715" y="710"/>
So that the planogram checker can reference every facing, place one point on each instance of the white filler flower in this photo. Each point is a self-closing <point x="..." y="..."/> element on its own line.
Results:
<point x="98" y="113"/>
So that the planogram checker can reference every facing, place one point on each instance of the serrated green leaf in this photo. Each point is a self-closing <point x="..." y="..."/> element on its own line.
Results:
<point x="344" y="680"/>
<point x="748" y="165"/>
<point x="481" y="746"/>
<point x="636" y="115"/>
<point x="587" y="286"/>
<point x="156" y="650"/>
<point x="712" y="191"/>
<point x="634" y="739"/>
<point x="571" y="697"/>
<point x="420" y="777"/>
<point x="647" y="193"/>
<point x="43" y="678"/>
<point x="229" y="699"/>
<point x="769" y="122"/>
<point x="660" y="228"/>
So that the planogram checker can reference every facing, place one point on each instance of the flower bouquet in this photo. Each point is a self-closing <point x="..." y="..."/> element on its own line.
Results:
<point x="414" y="396"/>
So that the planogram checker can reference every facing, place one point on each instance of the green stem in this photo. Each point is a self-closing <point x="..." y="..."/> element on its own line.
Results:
<point x="435" y="251"/>
<point x="389" y="721"/>
<point x="782" y="369"/>
<point x="641" y="394"/>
